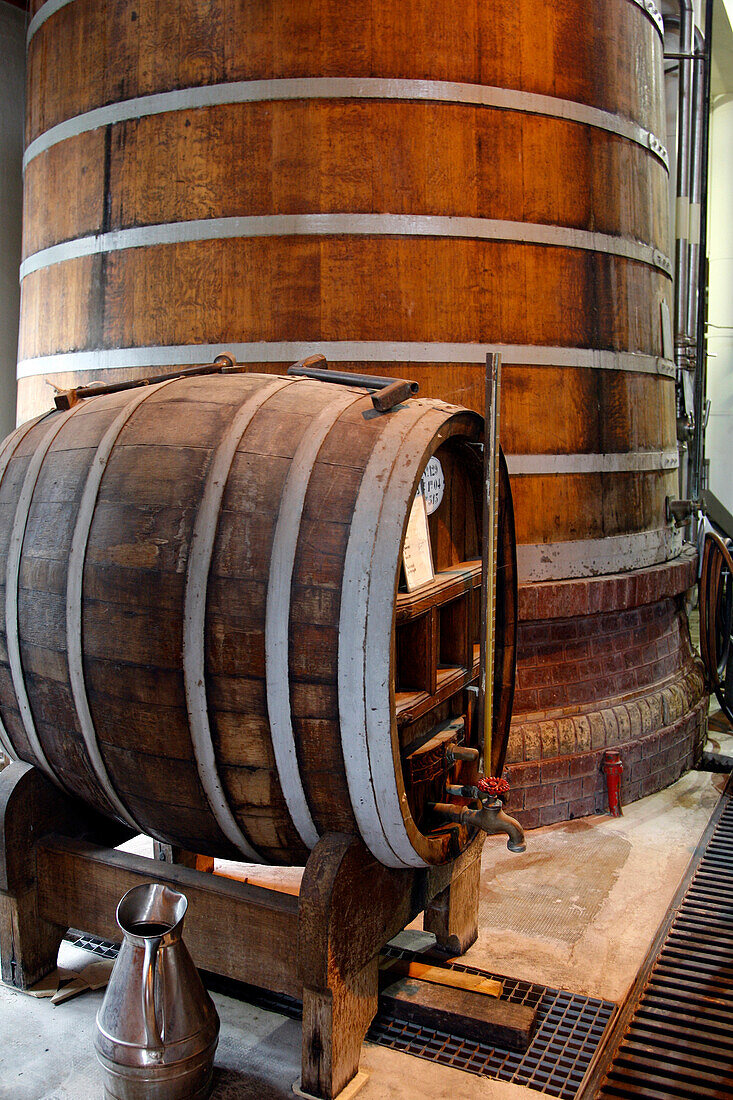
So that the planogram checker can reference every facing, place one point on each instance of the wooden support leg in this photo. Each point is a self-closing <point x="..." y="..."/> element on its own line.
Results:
<point x="452" y="915"/>
<point x="28" y="945"/>
<point x="349" y="907"/>
<point x="31" y="807"/>
<point x="334" y="1026"/>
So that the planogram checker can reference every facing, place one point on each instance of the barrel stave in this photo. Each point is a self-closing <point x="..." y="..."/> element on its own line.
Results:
<point x="252" y="503"/>
<point x="166" y="483"/>
<point x="38" y="625"/>
<point x="408" y="167"/>
<point x="554" y="51"/>
<point x="317" y="568"/>
<point x="560" y="410"/>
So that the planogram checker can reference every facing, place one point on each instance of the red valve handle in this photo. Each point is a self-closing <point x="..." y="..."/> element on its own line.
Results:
<point x="493" y="785"/>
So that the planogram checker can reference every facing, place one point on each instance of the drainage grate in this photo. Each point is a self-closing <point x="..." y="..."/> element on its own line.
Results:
<point x="570" y="1031"/>
<point x="568" y="1035"/>
<point x="104" y="948"/>
<point x="674" y="1037"/>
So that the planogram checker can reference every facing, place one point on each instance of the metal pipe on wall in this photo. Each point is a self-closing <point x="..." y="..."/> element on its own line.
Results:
<point x="691" y="221"/>
<point x="697" y="170"/>
<point x="695" y="483"/>
<point x="683" y="343"/>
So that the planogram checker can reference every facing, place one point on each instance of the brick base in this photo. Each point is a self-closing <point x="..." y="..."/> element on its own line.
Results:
<point x="622" y="676"/>
<point x="567" y="787"/>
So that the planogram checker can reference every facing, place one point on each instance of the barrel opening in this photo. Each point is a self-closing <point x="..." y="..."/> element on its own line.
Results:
<point x="436" y="644"/>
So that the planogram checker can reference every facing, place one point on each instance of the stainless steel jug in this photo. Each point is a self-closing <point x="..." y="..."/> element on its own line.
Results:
<point x="157" y="1028"/>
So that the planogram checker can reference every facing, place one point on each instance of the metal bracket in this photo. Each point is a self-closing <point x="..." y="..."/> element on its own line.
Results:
<point x="390" y="391"/>
<point x="679" y="511"/>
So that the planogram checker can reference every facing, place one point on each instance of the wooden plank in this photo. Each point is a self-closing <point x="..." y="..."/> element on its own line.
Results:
<point x="416" y="652"/>
<point x="412" y="705"/>
<point x="452" y="913"/>
<point x="439" y="975"/>
<point x="462" y="1012"/>
<point x="80" y="886"/>
<point x="389" y="270"/>
<point x="447" y="585"/>
<point x="29" y="806"/>
<point x="171" y="853"/>
<point x="455" y="646"/>
<point x="450" y="732"/>
<point x="338" y="946"/>
<point x="157" y="52"/>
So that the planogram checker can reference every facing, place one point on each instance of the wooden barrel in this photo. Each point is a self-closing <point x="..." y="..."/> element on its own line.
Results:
<point x="403" y="185"/>
<point x="205" y="630"/>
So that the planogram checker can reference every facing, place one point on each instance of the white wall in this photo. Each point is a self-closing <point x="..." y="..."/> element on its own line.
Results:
<point x="12" y="91"/>
<point x="719" y="436"/>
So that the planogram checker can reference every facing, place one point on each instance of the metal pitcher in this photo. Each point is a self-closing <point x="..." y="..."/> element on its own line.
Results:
<point x="157" y="1028"/>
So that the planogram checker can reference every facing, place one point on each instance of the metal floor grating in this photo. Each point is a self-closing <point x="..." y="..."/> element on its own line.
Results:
<point x="673" y="1039"/>
<point x="570" y="1029"/>
<point x="104" y="948"/>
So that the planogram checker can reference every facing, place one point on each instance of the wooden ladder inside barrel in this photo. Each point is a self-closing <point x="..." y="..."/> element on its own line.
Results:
<point x="59" y="868"/>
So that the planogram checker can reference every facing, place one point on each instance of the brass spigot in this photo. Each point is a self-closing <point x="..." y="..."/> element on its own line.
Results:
<point x="491" y="817"/>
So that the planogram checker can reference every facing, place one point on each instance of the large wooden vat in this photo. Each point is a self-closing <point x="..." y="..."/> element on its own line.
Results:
<point x="203" y="631"/>
<point x="407" y="183"/>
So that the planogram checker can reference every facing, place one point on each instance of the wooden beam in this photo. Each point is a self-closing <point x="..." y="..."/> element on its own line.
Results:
<point x="242" y="931"/>
<point x="462" y="1012"/>
<point x="29" y="807"/>
<point x="452" y="914"/>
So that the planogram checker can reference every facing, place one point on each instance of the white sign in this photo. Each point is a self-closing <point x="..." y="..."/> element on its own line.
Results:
<point x="432" y="485"/>
<point x="416" y="555"/>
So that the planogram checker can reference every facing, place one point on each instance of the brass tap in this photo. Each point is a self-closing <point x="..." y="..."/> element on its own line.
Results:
<point x="491" y="818"/>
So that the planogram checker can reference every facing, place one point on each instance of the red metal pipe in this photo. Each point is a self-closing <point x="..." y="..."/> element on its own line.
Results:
<point x="613" y="769"/>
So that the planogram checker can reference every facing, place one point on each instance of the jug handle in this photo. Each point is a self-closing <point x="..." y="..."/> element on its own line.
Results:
<point x="153" y="1039"/>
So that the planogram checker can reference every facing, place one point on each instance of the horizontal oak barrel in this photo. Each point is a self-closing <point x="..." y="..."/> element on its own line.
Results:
<point x="204" y="635"/>
<point x="402" y="185"/>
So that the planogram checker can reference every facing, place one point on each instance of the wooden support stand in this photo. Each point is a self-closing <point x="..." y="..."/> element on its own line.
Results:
<point x="54" y="876"/>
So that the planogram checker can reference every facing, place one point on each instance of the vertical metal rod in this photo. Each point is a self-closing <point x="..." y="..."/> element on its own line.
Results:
<point x="488" y="557"/>
<point x="698" y="442"/>
<point x="696" y="171"/>
<point x="682" y="214"/>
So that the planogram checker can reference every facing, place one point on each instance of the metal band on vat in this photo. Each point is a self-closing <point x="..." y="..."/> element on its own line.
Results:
<point x="626" y="462"/>
<point x="304" y="88"/>
<point x="74" y="585"/>
<point x="652" y="11"/>
<point x="592" y="557"/>
<point x="277" y="614"/>
<point x="9" y="447"/>
<point x="194" y="614"/>
<point x="44" y="12"/>
<point x="347" y="351"/>
<point x="363" y="225"/>
<point x="387" y="840"/>
<point x="12" y="580"/>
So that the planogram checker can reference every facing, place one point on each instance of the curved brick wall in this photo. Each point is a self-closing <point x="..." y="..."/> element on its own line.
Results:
<point x="604" y="663"/>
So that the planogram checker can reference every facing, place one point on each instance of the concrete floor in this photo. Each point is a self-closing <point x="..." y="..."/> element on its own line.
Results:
<point x="577" y="911"/>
